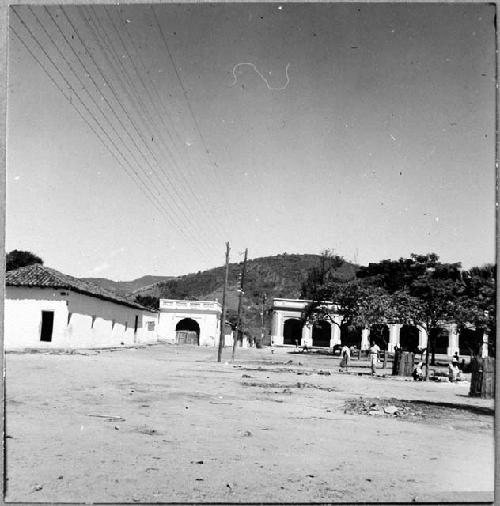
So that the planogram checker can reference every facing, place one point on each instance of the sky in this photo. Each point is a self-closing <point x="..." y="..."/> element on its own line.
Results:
<point x="141" y="139"/>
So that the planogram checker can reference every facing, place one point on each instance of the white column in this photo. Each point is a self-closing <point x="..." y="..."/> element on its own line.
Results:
<point x="423" y="337"/>
<point x="277" y="328"/>
<point x="452" y="340"/>
<point x="307" y="335"/>
<point x="484" y="348"/>
<point x="365" y="339"/>
<point x="335" y="338"/>
<point x="394" y="330"/>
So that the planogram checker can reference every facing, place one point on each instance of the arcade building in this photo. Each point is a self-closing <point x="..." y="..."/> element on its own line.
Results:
<point x="287" y="329"/>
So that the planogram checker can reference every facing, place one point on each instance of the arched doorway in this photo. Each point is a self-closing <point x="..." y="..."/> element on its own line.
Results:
<point x="470" y="341"/>
<point x="379" y="334"/>
<point x="187" y="331"/>
<point x="441" y="340"/>
<point x="350" y="336"/>
<point x="409" y="338"/>
<point x="292" y="331"/>
<point x="321" y="334"/>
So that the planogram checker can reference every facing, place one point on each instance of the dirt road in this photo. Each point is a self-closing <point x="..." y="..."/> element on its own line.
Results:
<point x="168" y="423"/>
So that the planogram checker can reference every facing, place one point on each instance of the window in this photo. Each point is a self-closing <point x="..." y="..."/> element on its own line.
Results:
<point x="47" y="326"/>
<point x="151" y="326"/>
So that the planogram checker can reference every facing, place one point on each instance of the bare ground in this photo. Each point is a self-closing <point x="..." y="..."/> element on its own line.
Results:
<point x="170" y="424"/>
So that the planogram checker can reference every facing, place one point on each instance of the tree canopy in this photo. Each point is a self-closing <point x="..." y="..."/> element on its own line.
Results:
<point x="18" y="258"/>
<point x="419" y="290"/>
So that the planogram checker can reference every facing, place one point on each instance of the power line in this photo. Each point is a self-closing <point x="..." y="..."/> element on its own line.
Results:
<point x="182" y="177"/>
<point x="160" y="101"/>
<point x="130" y="171"/>
<point x="197" y="126"/>
<point x="178" y="207"/>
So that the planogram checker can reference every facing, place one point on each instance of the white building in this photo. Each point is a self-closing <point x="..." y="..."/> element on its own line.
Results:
<point x="47" y="309"/>
<point x="189" y="322"/>
<point x="193" y="322"/>
<point x="287" y="328"/>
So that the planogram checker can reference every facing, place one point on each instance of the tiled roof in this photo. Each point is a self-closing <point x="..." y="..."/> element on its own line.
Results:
<point x="37" y="275"/>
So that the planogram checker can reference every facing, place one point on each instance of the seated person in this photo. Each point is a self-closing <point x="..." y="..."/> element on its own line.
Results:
<point x="418" y="374"/>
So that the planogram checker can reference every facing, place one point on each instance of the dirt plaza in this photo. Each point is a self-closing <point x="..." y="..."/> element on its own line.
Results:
<point x="167" y="423"/>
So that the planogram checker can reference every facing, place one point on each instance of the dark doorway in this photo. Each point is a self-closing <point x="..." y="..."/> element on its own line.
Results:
<point x="379" y="334"/>
<point x="322" y="333"/>
<point x="47" y="326"/>
<point x="350" y="336"/>
<point x="187" y="331"/>
<point x="441" y="340"/>
<point x="292" y="331"/>
<point x="470" y="341"/>
<point x="409" y="338"/>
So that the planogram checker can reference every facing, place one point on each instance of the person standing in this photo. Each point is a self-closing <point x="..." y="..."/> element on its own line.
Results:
<point x="373" y="352"/>
<point x="346" y="355"/>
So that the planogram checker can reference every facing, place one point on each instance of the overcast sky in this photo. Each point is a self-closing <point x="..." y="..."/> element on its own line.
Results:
<point x="140" y="139"/>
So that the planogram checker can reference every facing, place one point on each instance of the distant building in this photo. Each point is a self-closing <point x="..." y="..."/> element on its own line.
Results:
<point x="45" y="308"/>
<point x="189" y="322"/>
<point x="288" y="328"/>
<point x="194" y="322"/>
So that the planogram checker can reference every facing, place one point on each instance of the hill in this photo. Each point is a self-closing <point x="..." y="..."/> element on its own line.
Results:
<point x="128" y="287"/>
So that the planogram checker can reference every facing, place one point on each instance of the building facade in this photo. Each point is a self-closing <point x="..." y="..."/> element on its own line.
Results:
<point x="47" y="309"/>
<point x="287" y="328"/>
<point x="189" y="322"/>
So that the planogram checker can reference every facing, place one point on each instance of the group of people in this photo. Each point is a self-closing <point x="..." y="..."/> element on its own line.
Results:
<point x="455" y="372"/>
<point x="373" y="352"/>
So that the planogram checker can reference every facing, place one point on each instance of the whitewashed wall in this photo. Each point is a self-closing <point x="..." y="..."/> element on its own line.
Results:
<point x="80" y="321"/>
<point x="208" y="323"/>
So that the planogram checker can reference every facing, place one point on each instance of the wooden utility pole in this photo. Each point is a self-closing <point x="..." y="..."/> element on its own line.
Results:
<point x="240" y="299"/>
<point x="223" y="316"/>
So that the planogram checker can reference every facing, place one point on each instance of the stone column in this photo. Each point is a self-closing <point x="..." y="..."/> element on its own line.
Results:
<point x="365" y="339"/>
<point x="484" y="347"/>
<point x="335" y="338"/>
<point x="453" y="340"/>
<point x="394" y="330"/>
<point x="277" y="328"/>
<point x="306" y="336"/>
<point x="423" y="337"/>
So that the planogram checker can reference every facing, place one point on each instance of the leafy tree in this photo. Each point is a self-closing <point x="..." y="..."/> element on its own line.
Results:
<point x="395" y="275"/>
<point x="322" y="274"/>
<point x="476" y="307"/>
<point x="18" y="258"/>
<point x="148" y="301"/>
<point x="430" y="298"/>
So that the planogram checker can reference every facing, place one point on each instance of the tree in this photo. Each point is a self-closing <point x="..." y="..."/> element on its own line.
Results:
<point x="321" y="275"/>
<point x="331" y="300"/>
<point x="430" y="299"/>
<point x="476" y="307"/>
<point x="148" y="301"/>
<point x="18" y="258"/>
<point x="396" y="275"/>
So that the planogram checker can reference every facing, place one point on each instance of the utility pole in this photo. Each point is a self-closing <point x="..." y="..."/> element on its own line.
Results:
<point x="223" y="316"/>
<point x="242" y="284"/>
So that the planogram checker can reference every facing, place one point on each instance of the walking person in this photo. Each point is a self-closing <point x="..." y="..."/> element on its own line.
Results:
<point x="346" y="355"/>
<point x="373" y="353"/>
